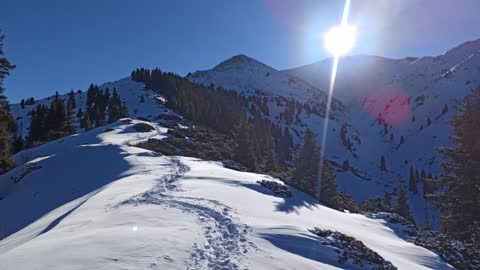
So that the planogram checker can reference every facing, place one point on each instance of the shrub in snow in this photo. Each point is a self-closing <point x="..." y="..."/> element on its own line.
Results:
<point x="406" y="226"/>
<point x="28" y="169"/>
<point x="277" y="188"/>
<point x="108" y="129"/>
<point x="460" y="254"/>
<point x="158" y="146"/>
<point x="142" y="127"/>
<point x="352" y="250"/>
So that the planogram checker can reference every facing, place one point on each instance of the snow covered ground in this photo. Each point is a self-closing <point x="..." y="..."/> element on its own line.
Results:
<point x="94" y="201"/>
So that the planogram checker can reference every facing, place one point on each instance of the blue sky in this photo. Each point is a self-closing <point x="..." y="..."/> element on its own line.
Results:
<point x="60" y="45"/>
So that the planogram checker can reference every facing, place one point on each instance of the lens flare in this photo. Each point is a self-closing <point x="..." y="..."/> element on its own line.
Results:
<point x="340" y="39"/>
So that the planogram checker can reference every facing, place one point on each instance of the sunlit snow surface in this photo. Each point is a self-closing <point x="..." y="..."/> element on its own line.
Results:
<point x="99" y="203"/>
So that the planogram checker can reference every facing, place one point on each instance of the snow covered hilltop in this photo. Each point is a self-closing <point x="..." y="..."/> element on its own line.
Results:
<point x="96" y="201"/>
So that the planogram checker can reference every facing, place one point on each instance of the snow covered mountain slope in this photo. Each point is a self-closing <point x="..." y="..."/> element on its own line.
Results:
<point x="398" y="109"/>
<point x="94" y="201"/>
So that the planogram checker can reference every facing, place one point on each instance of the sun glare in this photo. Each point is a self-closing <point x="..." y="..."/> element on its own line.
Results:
<point x="340" y="39"/>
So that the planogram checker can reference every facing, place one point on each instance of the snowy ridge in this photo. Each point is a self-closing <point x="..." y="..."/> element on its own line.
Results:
<point x="129" y="208"/>
<point x="382" y="107"/>
<point x="390" y="107"/>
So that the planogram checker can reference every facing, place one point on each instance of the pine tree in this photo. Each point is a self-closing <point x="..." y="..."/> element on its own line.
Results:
<point x="417" y="176"/>
<point x="459" y="202"/>
<point x="328" y="193"/>
<point x="427" y="225"/>
<point x="383" y="167"/>
<point x="445" y="109"/>
<point x="6" y="119"/>
<point x="306" y="165"/>
<point x="244" y="151"/>
<point x="307" y="168"/>
<point x="402" y="207"/>
<point x="86" y="122"/>
<point x="38" y="130"/>
<point x="70" y="119"/>
<point x="412" y="183"/>
<point x="56" y="118"/>
<point x="346" y="165"/>
<point x="115" y="108"/>
<point x="402" y="140"/>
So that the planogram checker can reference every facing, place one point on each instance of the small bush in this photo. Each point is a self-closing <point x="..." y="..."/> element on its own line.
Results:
<point x="142" y="127"/>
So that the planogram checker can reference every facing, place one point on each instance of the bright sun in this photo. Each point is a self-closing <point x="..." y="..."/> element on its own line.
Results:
<point x="339" y="40"/>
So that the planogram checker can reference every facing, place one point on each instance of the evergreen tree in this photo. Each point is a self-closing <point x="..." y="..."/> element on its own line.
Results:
<point x="70" y="121"/>
<point x="383" y="167"/>
<point x="417" y="176"/>
<point x="306" y="172"/>
<point x="460" y="198"/>
<point x="80" y="115"/>
<point x="402" y="207"/>
<point x="402" y="140"/>
<point x="86" y="122"/>
<point x="412" y="182"/>
<point x="71" y="100"/>
<point x="244" y="151"/>
<point x="115" y="108"/>
<point x="56" y="118"/>
<point x="38" y="130"/>
<point x="346" y="165"/>
<point x="6" y="119"/>
<point x="445" y="109"/>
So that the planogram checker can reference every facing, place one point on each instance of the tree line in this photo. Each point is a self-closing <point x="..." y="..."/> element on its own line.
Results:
<point x="261" y="146"/>
<point x="58" y="119"/>
<point x="7" y="123"/>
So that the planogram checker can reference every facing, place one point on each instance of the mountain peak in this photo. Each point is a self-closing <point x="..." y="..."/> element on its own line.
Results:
<point x="241" y="61"/>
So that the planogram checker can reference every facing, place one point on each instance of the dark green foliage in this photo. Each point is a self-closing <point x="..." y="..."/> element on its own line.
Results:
<point x="116" y="109"/>
<point x="30" y="101"/>
<point x="7" y="124"/>
<point x="445" y="109"/>
<point x="402" y="207"/>
<point x="346" y="165"/>
<point x="58" y="119"/>
<point x="383" y="167"/>
<point x="306" y="172"/>
<point x="70" y="121"/>
<point x="412" y="182"/>
<point x="244" y="152"/>
<point x="143" y="127"/>
<point x="49" y="123"/>
<point x="99" y="103"/>
<point x="262" y="147"/>
<point x="459" y="202"/>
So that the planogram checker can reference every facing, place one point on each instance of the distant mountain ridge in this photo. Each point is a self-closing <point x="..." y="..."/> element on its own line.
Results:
<point x="396" y="108"/>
